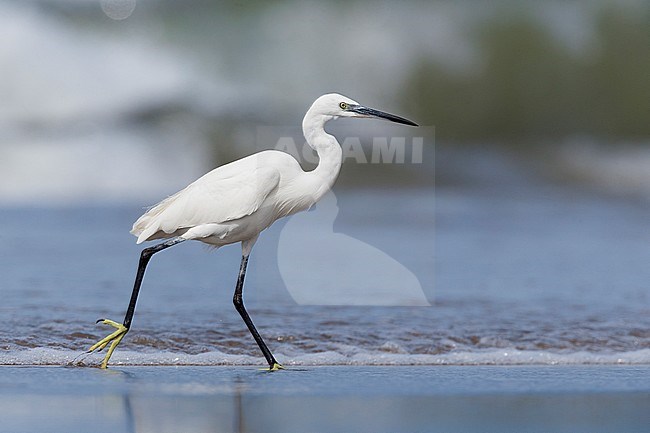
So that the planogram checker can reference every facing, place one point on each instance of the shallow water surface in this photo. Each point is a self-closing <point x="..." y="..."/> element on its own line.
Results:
<point x="328" y="399"/>
<point x="514" y="275"/>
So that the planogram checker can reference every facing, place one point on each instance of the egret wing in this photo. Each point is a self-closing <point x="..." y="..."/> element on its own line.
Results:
<point x="225" y="194"/>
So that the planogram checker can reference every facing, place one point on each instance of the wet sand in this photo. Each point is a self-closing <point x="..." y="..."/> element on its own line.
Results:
<point x="325" y="399"/>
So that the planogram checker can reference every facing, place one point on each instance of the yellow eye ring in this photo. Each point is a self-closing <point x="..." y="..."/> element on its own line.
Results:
<point x="343" y="106"/>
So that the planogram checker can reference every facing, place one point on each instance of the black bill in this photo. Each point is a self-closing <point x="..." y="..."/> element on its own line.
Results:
<point x="371" y="112"/>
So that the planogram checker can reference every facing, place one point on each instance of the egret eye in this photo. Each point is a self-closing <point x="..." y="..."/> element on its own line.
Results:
<point x="343" y="106"/>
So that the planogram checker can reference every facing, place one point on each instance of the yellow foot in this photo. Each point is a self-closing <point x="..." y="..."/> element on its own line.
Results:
<point x="274" y="367"/>
<point x="113" y="338"/>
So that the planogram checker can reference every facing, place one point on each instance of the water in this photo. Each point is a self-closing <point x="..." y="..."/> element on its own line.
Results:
<point x="516" y="270"/>
<point x="533" y="275"/>
<point x="327" y="399"/>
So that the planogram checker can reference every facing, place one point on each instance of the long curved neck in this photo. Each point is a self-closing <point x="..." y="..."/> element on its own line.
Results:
<point x="328" y="150"/>
<point x="329" y="164"/>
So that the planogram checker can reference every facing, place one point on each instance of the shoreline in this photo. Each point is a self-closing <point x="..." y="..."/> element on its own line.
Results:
<point x="502" y="357"/>
<point x="326" y="398"/>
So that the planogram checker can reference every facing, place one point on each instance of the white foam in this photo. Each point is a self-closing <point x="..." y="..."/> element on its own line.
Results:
<point x="48" y="356"/>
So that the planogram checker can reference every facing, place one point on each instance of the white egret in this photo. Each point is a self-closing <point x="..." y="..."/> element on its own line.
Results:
<point x="235" y="202"/>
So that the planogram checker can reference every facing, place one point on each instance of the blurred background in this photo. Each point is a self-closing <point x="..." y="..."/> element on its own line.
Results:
<point x="119" y="100"/>
<point x="526" y="218"/>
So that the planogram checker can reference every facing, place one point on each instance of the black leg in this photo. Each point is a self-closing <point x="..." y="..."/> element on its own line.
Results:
<point x="145" y="256"/>
<point x="116" y="337"/>
<point x="239" y="306"/>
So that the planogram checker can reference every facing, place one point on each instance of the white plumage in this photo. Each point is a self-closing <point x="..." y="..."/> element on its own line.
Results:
<point x="235" y="202"/>
<point x="212" y="206"/>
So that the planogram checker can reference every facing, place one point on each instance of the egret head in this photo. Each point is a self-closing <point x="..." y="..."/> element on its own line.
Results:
<point x="334" y="105"/>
